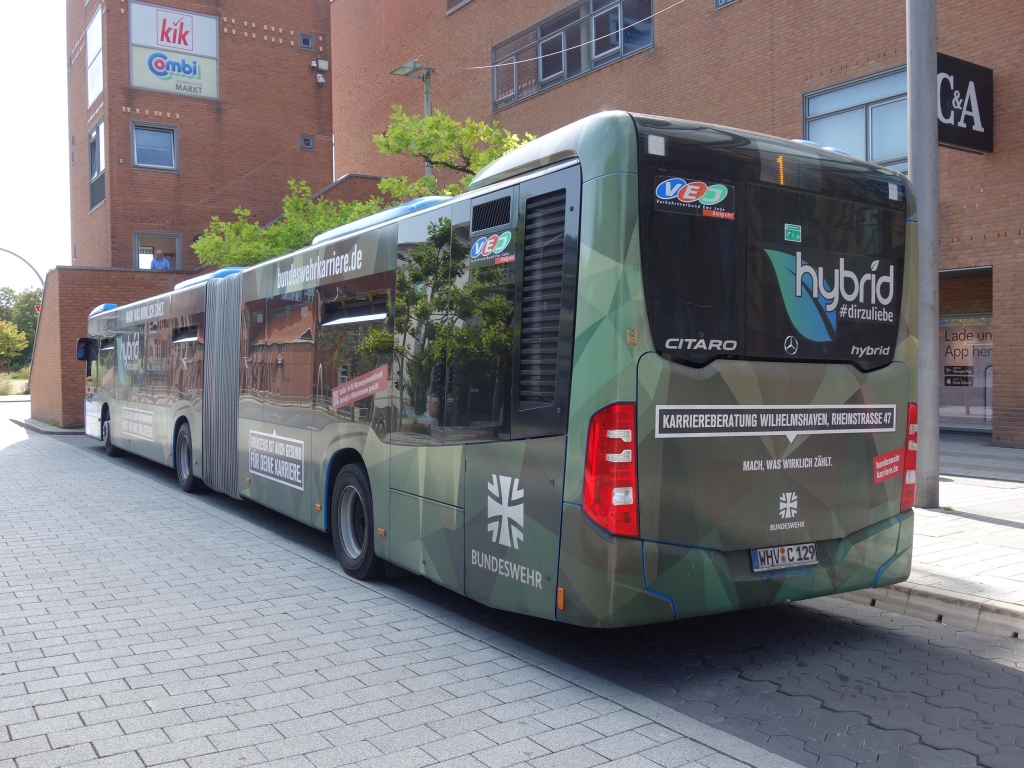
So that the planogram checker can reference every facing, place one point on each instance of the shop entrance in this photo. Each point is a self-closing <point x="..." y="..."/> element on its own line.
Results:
<point x="966" y="342"/>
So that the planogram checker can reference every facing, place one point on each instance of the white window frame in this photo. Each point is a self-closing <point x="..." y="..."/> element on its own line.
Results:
<point x="93" y="58"/>
<point x="97" y="134"/>
<point x="171" y="129"/>
<point x="594" y="55"/>
<point x="136" y="236"/>
<point x="531" y="49"/>
<point x="867" y="106"/>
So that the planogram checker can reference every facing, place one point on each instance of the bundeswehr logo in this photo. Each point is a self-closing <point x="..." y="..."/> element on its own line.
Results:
<point x="507" y="529"/>
<point x="787" y="505"/>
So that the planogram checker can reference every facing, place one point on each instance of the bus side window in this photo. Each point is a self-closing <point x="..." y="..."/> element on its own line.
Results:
<point x="478" y="407"/>
<point x="289" y="345"/>
<point x="353" y="351"/>
<point x="157" y="361"/>
<point x="422" y="295"/>
<point x="106" y="368"/>
<point x="252" y="370"/>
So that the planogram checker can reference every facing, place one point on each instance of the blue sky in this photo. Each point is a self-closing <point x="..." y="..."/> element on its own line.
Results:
<point x="34" y="149"/>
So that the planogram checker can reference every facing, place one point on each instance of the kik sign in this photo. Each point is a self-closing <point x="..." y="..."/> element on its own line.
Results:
<point x="965" y="104"/>
<point x="174" y="29"/>
<point x="174" y="51"/>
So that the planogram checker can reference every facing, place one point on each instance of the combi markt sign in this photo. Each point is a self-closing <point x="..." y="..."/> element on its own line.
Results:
<point x="965" y="105"/>
<point x="174" y="51"/>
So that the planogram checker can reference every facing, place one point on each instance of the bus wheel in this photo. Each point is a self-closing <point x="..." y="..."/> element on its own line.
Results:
<point x="183" y="460"/>
<point x="105" y="434"/>
<point x="352" y="524"/>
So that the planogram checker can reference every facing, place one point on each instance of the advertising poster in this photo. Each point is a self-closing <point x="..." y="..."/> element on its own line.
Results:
<point x="174" y="51"/>
<point x="965" y="347"/>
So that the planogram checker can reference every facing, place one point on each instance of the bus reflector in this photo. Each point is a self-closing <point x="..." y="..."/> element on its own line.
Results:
<point x="910" y="461"/>
<point x="609" y="474"/>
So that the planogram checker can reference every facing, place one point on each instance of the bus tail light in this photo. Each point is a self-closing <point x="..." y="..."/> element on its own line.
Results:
<point x="609" y="475"/>
<point x="910" y="460"/>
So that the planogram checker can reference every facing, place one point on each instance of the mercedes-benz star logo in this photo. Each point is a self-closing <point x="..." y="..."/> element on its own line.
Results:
<point x="791" y="345"/>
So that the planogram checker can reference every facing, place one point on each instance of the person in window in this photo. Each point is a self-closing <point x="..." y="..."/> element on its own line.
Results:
<point x="160" y="261"/>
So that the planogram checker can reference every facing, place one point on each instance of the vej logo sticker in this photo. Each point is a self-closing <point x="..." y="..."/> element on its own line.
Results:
<point x="490" y="246"/>
<point x="507" y="529"/>
<point x="696" y="197"/>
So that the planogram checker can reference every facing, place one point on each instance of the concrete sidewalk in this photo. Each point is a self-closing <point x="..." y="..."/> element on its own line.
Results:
<point x="968" y="569"/>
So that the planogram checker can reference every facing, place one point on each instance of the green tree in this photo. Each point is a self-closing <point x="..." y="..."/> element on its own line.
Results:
<point x="12" y="341"/>
<point x="459" y="150"/>
<point x="20" y="308"/>
<point x="243" y="241"/>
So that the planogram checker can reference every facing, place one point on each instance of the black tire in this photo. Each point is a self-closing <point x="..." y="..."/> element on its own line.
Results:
<point x="183" y="461"/>
<point x="352" y="525"/>
<point x="105" y="434"/>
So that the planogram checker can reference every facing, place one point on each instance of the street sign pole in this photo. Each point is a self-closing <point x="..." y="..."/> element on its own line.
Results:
<point x="922" y="125"/>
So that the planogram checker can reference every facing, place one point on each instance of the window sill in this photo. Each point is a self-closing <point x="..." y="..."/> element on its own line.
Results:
<point x="456" y="7"/>
<point x="157" y="168"/>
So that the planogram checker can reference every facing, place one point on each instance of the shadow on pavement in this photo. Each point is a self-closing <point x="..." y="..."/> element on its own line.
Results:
<point x="823" y="683"/>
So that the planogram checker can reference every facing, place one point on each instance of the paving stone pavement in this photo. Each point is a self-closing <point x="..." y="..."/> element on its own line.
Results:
<point x="139" y="626"/>
<point x="971" y="454"/>
<point x="142" y="627"/>
<point x="974" y="545"/>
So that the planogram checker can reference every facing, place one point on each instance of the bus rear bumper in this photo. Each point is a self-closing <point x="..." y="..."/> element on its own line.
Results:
<point x="703" y="581"/>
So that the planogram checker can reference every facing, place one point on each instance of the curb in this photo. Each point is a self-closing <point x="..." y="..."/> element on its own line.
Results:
<point x="34" y="425"/>
<point x="954" y="609"/>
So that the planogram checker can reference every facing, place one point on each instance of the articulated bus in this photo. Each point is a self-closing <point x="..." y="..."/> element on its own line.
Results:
<point x="645" y="369"/>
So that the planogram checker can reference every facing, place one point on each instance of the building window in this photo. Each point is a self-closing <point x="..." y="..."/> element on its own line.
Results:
<point x="583" y="37"/>
<point x="307" y="142"/>
<point x="157" y="251"/>
<point x="97" y="166"/>
<point x="723" y="3"/>
<point x="94" y="58"/>
<point x="155" y="146"/>
<point x="866" y="118"/>
<point x="453" y="4"/>
<point x="306" y="42"/>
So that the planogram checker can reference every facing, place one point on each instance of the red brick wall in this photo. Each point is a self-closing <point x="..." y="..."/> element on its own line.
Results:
<point x="746" y="65"/>
<point x="238" y="151"/>
<point x="57" y="380"/>
<point x="965" y="295"/>
<point x="353" y="186"/>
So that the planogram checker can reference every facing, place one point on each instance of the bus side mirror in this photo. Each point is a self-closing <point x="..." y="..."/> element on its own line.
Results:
<point x="86" y="349"/>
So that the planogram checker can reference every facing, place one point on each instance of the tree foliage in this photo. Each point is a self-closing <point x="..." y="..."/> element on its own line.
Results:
<point x="461" y="148"/>
<point x="19" y="308"/>
<point x="444" y="319"/>
<point x="243" y="241"/>
<point x="12" y="341"/>
<point x="458" y="150"/>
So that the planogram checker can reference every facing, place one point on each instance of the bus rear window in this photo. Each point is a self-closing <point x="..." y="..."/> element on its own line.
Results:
<point x="753" y="270"/>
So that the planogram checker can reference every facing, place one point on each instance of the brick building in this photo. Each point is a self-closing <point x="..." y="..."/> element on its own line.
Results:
<point x="189" y="109"/>
<point x="830" y="72"/>
<point x="178" y="111"/>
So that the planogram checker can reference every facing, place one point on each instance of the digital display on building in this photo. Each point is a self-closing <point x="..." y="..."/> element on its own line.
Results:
<point x="174" y="51"/>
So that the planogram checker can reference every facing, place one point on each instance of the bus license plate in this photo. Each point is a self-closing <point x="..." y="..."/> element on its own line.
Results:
<point x="773" y="558"/>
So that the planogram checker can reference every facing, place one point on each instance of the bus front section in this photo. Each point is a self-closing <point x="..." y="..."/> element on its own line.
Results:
<point x="770" y="453"/>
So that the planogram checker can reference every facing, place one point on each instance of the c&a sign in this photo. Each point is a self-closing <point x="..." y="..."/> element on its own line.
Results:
<point x="964" y="104"/>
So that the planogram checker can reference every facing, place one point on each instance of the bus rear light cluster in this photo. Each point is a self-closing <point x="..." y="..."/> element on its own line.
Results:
<point x="609" y="474"/>
<point x="910" y="460"/>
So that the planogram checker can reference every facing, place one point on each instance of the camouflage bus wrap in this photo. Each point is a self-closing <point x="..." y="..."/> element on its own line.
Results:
<point x="748" y="303"/>
<point x="706" y="501"/>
